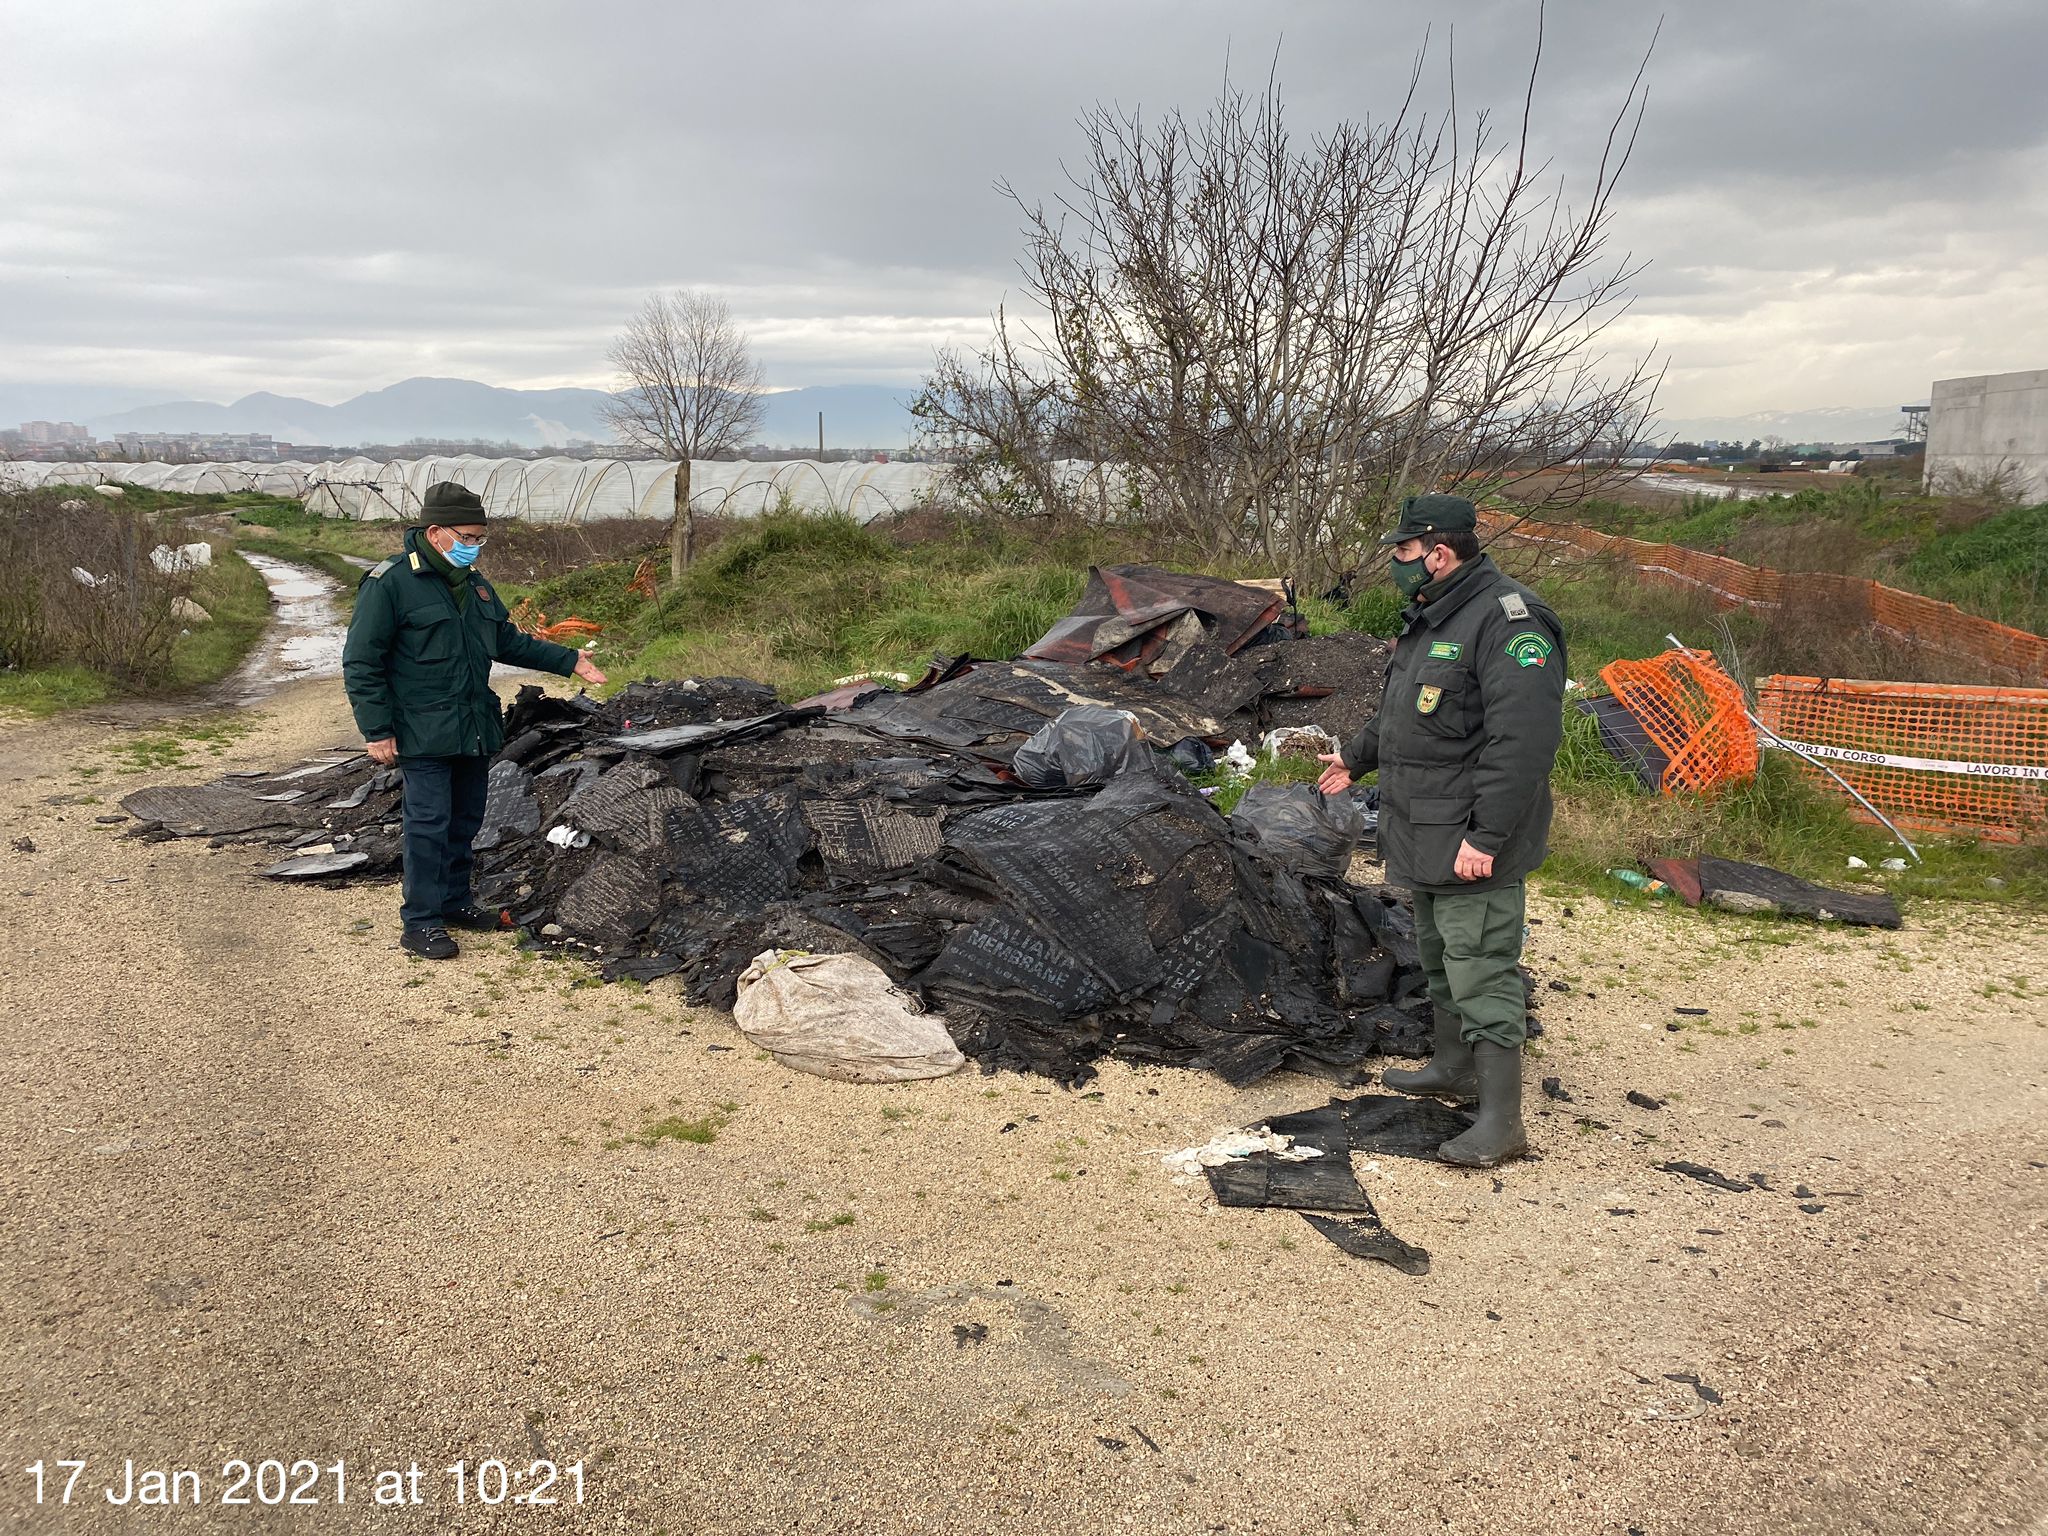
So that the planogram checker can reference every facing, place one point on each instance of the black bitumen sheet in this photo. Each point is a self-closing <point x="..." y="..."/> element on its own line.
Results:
<point x="1622" y="734"/>
<point x="697" y="823"/>
<point x="1759" y="888"/>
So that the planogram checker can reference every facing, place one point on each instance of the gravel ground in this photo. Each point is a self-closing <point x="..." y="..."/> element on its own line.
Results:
<point x="277" y="1190"/>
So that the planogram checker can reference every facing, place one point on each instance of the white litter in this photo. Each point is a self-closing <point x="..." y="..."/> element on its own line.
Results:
<point x="1227" y="1146"/>
<point x="1894" y="864"/>
<point x="838" y="1016"/>
<point x="1856" y="863"/>
<point x="1239" y="762"/>
<point x="186" y="557"/>
<point x="1298" y="741"/>
<point x="566" y="836"/>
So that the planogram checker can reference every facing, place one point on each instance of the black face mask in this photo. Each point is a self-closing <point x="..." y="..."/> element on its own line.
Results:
<point x="1411" y="576"/>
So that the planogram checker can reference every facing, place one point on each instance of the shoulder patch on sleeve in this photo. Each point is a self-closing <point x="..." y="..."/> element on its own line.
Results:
<point x="1529" y="649"/>
<point x="1514" y="606"/>
<point x="376" y="571"/>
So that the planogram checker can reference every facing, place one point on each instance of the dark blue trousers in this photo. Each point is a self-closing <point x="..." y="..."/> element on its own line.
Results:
<point x="444" y="808"/>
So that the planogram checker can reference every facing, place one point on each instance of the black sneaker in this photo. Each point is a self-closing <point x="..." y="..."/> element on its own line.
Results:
<point x="475" y="919"/>
<point x="428" y="943"/>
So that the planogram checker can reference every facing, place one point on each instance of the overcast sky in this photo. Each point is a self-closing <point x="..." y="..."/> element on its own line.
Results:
<point x="1840" y="200"/>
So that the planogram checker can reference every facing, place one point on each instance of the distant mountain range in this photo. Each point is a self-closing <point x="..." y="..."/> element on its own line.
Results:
<point x="1826" y="424"/>
<point x="856" y="416"/>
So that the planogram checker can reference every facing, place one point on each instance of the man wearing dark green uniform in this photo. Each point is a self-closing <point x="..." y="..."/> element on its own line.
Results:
<point x="1466" y="734"/>
<point x="417" y="667"/>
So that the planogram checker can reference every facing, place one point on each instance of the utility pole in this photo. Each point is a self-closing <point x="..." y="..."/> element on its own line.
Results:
<point x="821" y="437"/>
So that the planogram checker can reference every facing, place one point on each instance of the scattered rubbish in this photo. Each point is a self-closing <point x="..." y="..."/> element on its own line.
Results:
<point x="1757" y="888"/>
<point x="1692" y="1013"/>
<point x="1300" y="827"/>
<point x="1706" y="1175"/>
<point x="1856" y="863"/>
<point x="1226" y="1146"/>
<point x="687" y="828"/>
<point x="839" y="1016"/>
<point x="1088" y="744"/>
<point x="24" y="845"/>
<point x="1239" y="762"/>
<point x="1643" y="1101"/>
<point x="1811" y="1208"/>
<point x="1365" y="1237"/>
<point x="1149" y="1443"/>
<point x="183" y="559"/>
<point x="1304" y="741"/>
<point x="1892" y="864"/>
<point x="1641" y="882"/>
<point x="1553" y="1088"/>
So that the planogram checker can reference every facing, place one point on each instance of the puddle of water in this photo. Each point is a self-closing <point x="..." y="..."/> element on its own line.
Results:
<point x="306" y="634"/>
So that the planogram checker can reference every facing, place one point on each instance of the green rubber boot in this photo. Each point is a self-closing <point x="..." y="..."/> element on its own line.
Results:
<point x="1497" y="1134"/>
<point x="1448" y="1073"/>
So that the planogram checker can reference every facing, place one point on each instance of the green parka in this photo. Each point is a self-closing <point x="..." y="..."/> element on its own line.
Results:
<point x="417" y="664"/>
<point x="1467" y="731"/>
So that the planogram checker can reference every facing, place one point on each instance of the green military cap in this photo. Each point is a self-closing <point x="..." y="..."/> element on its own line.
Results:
<point x="448" y="505"/>
<point x="1433" y="514"/>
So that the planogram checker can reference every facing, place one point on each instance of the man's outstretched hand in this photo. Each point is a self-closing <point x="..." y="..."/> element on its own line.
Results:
<point x="383" y="753"/>
<point x="587" y="670"/>
<point x="1336" y="777"/>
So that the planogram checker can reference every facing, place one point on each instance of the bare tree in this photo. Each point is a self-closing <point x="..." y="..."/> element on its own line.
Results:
<point x="1275" y="341"/>
<point x="688" y="389"/>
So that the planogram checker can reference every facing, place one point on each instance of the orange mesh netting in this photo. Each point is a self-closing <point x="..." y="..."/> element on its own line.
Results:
<point x="1693" y="711"/>
<point x="1935" y="759"/>
<point x="562" y="632"/>
<point x="1920" y="620"/>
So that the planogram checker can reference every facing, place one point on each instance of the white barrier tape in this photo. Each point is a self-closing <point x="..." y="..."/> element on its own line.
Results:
<point x="2029" y="771"/>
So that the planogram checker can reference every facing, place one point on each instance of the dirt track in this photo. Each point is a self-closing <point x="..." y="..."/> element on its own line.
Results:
<point x="276" y="1190"/>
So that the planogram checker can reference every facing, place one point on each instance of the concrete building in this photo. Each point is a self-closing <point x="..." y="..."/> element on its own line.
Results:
<point x="1994" y="423"/>
<point x="54" y="432"/>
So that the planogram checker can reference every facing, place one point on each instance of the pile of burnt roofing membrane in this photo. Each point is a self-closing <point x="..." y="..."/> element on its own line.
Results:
<point x="1015" y="843"/>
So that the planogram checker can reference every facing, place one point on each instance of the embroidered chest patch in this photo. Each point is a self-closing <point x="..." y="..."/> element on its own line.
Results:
<point x="1427" y="700"/>
<point x="1445" y="650"/>
<point x="1529" y="649"/>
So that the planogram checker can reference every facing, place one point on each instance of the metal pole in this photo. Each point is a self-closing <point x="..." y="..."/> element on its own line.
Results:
<point x="1823" y="767"/>
<point x="821" y="437"/>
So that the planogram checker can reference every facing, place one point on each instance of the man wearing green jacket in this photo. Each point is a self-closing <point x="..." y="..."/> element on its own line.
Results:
<point x="1467" y="731"/>
<point x="417" y="667"/>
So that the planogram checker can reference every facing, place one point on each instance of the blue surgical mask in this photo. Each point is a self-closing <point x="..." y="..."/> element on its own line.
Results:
<point x="462" y="556"/>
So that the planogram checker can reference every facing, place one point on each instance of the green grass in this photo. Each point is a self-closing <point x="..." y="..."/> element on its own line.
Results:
<point x="234" y="595"/>
<point x="40" y="692"/>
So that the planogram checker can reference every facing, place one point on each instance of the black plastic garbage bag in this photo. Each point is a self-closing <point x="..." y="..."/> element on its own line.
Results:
<point x="1088" y="744"/>
<point x="1299" y="827"/>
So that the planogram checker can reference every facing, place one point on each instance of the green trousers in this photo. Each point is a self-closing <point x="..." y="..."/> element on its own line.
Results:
<point x="1471" y="943"/>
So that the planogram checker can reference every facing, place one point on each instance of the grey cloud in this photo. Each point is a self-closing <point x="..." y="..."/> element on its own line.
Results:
<point x="323" y="200"/>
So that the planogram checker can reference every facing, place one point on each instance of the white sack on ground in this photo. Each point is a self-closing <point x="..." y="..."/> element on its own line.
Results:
<point x="838" y="1016"/>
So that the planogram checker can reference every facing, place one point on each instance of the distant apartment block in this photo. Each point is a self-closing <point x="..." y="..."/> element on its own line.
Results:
<point x="41" y="432"/>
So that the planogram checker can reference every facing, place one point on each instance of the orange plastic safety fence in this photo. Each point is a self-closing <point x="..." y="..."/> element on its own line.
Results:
<point x="562" y="632"/>
<point x="1921" y="620"/>
<point x="1935" y="759"/>
<point x="642" y="584"/>
<point x="1693" y="711"/>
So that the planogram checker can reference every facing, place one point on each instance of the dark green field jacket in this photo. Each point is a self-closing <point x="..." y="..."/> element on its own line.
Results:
<point x="1467" y="730"/>
<point x="417" y="665"/>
